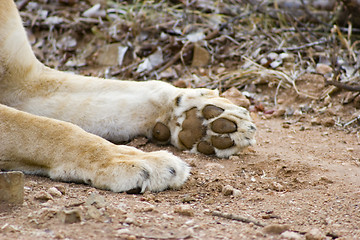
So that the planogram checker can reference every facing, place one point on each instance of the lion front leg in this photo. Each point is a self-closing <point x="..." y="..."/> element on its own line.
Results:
<point x="65" y="152"/>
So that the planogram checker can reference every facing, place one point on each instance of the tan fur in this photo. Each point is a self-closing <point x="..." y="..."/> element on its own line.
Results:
<point x="88" y="111"/>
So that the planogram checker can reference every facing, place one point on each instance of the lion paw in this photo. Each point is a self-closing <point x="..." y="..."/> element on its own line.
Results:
<point x="203" y="122"/>
<point x="137" y="172"/>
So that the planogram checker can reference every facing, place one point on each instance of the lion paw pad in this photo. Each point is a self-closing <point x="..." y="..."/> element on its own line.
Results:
<point x="213" y="130"/>
<point x="202" y="122"/>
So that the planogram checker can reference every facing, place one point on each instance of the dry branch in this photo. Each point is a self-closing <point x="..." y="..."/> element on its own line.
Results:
<point x="352" y="88"/>
<point x="238" y="218"/>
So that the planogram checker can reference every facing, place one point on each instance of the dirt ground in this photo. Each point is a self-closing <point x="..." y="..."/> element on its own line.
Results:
<point x="302" y="176"/>
<point x="300" y="181"/>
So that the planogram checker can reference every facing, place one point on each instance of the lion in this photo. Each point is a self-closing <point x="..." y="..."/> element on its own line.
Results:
<point x="64" y="126"/>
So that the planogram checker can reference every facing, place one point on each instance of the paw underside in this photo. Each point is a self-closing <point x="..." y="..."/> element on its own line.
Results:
<point x="210" y="130"/>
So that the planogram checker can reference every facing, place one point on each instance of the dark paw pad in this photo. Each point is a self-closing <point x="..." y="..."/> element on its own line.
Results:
<point x="161" y="132"/>
<point x="222" y="142"/>
<point x="211" y="111"/>
<point x="205" y="148"/>
<point x="222" y="125"/>
<point x="192" y="129"/>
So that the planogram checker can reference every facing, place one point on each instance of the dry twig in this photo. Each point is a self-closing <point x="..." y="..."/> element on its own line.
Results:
<point x="352" y="88"/>
<point x="238" y="218"/>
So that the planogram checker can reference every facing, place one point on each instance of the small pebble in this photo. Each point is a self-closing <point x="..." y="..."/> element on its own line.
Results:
<point x="276" y="63"/>
<point x="279" y="113"/>
<point x="227" y="190"/>
<point x="291" y="235"/>
<point x="96" y="200"/>
<point x="273" y="56"/>
<point x="61" y="188"/>
<point x="233" y="158"/>
<point x="54" y="192"/>
<point x="70" y="216"/>
<point x="328" y="122"/>
<point x="129" y="220"/>
<point x="184" y="210"/>
<point x="277" y="186"/>
<point x="315" y="234"/>
<point x="236" y="193"/>
<point x="286" y="125"/>
<point x="276" y="229"/>
<point x="43" y="196"/>
<point x="315" y="121"/>
<point x="188" y="198"/>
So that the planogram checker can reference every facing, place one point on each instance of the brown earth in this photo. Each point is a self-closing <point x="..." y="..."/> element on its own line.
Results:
<point x="303" y="176"/>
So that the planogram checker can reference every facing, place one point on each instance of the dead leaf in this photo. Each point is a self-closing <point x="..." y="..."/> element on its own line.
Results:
<point x="201" y="56"/>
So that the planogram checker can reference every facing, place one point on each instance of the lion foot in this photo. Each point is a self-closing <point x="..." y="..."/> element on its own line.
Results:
<point x="202" y="122"/>
<point x="127" y="169"/>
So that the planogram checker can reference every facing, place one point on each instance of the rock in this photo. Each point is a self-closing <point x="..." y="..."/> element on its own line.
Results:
<point x="236" y="193"/>
<point x="273" y="56"/>
<point x="291" y="235"/>
<point x="276" y="63"/>
<point x="286" y="125"/>
<point x="188" y="198"/>
<point x="277" y="186"/>
<point x="122" y="231"/>
<point x="54" y="192"/>
<point x="43" y="196"/>
<point x="315" y="121"/>
<point x="279" y="113"/>
<point x="235" y="96"/>
<point x="96" y="200"/>
<point x="93" y="213"/>
<point x="286" y="57"/>
<point x="129" y="220"/>
<point x="315" y="234"/>
<point x="12" y="187"/>
<point x="328" y="122"/>
<point x="184" y="210"/>
<point x="227" y="190"/>
<point x="61" y="188"/>
<point x="275" y="229"/>
<point x="70" y="216"/>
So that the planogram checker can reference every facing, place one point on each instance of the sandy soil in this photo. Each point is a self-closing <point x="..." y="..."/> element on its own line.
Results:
<point x="303" y="177"/>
